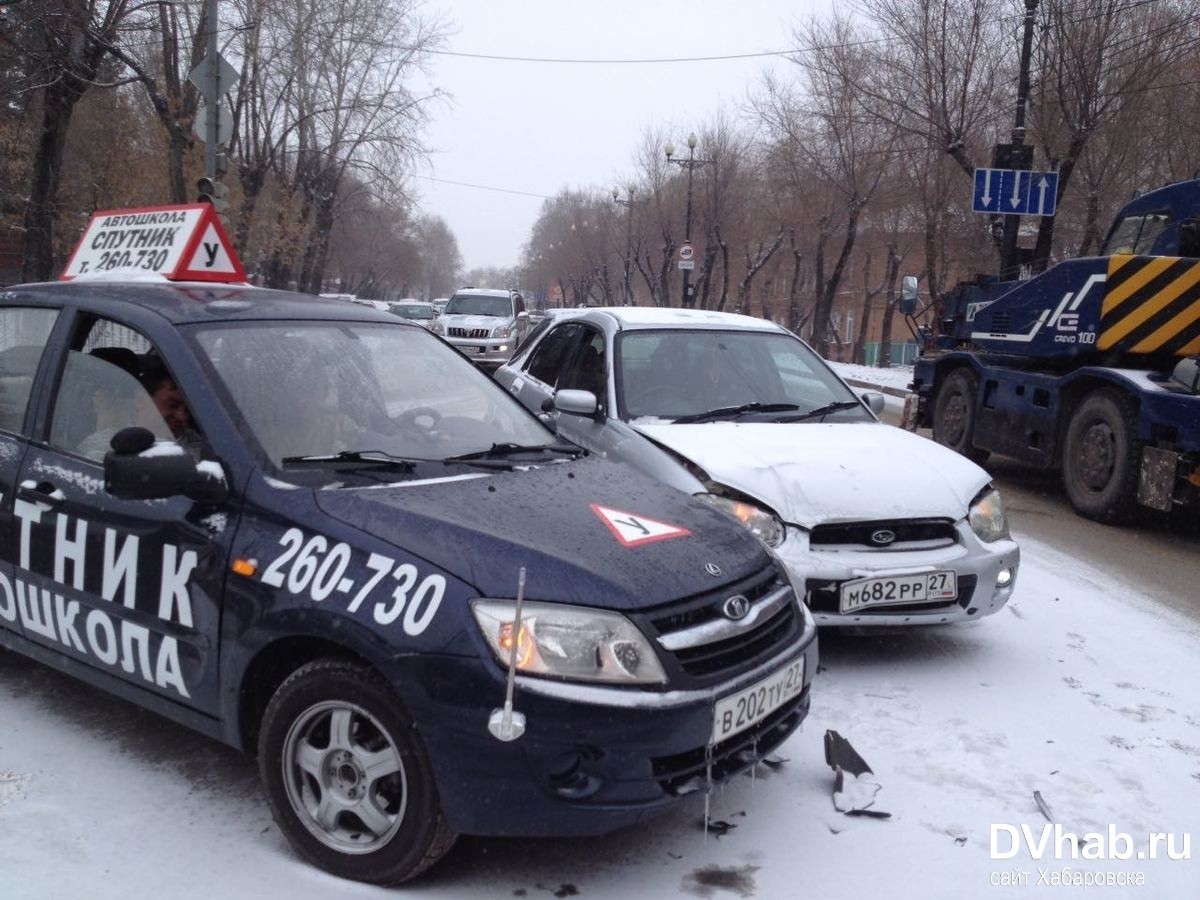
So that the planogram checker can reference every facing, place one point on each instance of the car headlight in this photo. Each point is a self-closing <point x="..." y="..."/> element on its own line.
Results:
<point x="503" y="330"/>
<point x="436" y="327"/>
<point x="987" y="516"/>
<point x="573" y="642"/>
<point x="763" y="525"/>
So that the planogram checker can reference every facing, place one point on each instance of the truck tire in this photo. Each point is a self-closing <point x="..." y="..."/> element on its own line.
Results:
<point x="1100" y="457"/>
<point x="348" y="777"/>
<point x="954" y="414"/>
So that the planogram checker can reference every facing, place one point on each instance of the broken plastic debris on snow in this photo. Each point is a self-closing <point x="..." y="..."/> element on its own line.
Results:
<point x="854" y="784"/>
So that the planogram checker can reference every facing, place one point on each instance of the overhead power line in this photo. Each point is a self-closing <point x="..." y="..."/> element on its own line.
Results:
<point x="484" y="187"/>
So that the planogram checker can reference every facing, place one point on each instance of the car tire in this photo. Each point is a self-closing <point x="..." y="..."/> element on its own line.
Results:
<point x="954" y="414"/>
<point x="1100" y="457"/>
<point x="347" y="775"/>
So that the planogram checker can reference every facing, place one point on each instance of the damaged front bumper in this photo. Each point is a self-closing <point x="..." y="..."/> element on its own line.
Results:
<point x="985" y="574"/>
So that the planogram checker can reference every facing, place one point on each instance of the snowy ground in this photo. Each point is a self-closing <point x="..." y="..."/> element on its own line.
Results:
<point x="895" y="377"/>
<point x="1081" y="690"/>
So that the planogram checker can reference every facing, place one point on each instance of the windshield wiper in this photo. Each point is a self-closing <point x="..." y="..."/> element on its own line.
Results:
<point x="361" y="457"/>
<point x="500" y="451"/>
<point x="821" y="411"/>
<point x="732" y="412"/>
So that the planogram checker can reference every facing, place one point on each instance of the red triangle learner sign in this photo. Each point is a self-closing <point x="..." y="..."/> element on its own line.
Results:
<point x="179" y="243"/>
<point x="633" y="530"/>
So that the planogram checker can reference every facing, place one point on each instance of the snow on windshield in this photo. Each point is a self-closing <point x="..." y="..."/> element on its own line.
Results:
<point x="320" y="388"/>
<point x="668" y="374"/>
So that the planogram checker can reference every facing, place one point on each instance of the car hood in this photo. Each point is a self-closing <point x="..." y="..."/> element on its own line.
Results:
<point x="488" y="322"/>
<point x="483" y="529"/>
<point x="828" y="472"/>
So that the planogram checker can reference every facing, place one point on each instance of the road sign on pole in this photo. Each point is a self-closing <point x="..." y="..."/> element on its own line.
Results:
<point x="202" y="77"/>
<point x="224" y="125"/>
<point x="1015" y="192"/>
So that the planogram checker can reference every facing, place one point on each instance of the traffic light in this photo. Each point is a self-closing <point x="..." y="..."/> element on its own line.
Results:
<point x="214" y="192"/>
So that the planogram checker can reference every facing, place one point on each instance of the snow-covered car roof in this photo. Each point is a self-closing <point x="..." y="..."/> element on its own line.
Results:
<point x="488" y="292"/>
<point x="634" y="317"/>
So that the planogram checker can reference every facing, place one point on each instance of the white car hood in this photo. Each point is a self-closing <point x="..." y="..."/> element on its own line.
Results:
<point x="814" y="472"/>
<point x="472" y="322"/>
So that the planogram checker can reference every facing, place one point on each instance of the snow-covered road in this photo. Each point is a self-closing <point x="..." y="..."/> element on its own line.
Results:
<point x="1081" y="690"/>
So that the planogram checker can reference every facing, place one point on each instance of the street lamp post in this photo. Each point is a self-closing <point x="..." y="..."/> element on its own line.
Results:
<point x="690" y="164"/>
<point x="628" y="204"/>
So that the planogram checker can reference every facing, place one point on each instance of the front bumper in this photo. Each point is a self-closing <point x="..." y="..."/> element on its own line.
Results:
<point x="817" y="574"/>
<point x="593" y="759"/>
<point x="492" y="352"/>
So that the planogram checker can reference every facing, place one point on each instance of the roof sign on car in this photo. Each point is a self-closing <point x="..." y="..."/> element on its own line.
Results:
<point x="633" y="530"/>
<point x="179" y="243"/>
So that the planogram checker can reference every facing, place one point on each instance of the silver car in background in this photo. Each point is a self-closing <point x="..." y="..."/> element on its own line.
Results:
<point x="877" y="526"/>
<point x="485" y="325"/>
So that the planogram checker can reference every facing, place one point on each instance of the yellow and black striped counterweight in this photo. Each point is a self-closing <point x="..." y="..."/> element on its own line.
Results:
<point x="1151" y="306"/>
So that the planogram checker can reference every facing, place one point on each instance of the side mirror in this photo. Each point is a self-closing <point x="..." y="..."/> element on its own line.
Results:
<point x="874" y="401"/>
<point x="523" y="316"/>
<point x="139" y="468"/>
<point x="908" y="294"/>
<point x="577" y="403"/>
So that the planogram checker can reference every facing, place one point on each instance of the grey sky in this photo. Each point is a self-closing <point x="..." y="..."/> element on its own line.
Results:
<point x="540" y="127"/>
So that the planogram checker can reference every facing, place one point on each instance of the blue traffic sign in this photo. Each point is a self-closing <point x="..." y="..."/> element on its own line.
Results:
<point x="1015" y="192"/>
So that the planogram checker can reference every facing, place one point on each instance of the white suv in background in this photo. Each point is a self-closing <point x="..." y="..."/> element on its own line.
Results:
<point x="486" y="325"/>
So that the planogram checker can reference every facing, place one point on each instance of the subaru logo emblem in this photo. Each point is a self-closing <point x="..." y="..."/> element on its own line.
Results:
<point x="882" y="537"/>
<point x="736" y="607"/>
<point x="713" y="569"/>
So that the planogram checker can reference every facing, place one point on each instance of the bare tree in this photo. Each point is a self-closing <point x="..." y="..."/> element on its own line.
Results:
<point x="826" y="137"/>
<point x="1096" y="63"/>
<point x="66" y="44"/>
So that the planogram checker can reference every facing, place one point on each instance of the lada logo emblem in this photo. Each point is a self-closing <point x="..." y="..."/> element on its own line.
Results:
<point x="736" y="607"/>
<point x="882" y="537"/>
<point x="713" y="569"/>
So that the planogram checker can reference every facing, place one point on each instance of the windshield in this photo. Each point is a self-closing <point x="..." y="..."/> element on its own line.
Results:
<point x="413" y="311"/>
<point x="672" y="374"/>
<point x="323" y="388"/>
<point x="479" y="305"/>
<point x="1136" y="234"/>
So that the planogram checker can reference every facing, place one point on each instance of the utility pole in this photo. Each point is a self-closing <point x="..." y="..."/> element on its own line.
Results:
<point x="1019" y="155"/>
<point x="213" y="124"/>
<point x="691" y="164"/>
<point x="628" y="204"/>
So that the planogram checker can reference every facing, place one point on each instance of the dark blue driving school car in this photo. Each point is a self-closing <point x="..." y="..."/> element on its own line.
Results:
<point x="299" y="526"/>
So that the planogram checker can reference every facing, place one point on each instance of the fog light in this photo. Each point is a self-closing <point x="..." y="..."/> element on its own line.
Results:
<point x="502" y="348"/>
<point x="1004" y="578"/>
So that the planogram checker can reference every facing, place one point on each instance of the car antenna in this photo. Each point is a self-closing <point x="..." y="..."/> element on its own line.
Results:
<point x="504" y="723"/>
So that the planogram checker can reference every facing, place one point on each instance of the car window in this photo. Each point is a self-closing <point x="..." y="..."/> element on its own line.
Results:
<point x="413" y="311"/>
<point x="321" y="388"/>
<point x="115" y="378"/>
<point x="668" y="374"/>
<point x="23" y="335"/>
<point x="547" y="359"/>
<point x="587" y="369"/>
<point x="479" y="305"/>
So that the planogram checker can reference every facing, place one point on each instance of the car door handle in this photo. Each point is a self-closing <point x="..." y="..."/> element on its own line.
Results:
<point x="40" y="492"/>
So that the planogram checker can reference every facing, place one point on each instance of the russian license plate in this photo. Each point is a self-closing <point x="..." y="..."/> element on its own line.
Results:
<point x="739" y="711"/>
<point x="898" y="590"/>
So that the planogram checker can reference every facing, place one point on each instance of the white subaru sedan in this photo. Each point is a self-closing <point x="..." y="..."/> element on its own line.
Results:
<point x="877" y="526"/>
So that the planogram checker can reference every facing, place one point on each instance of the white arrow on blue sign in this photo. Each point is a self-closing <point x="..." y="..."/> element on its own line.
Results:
<point x="1015" y="192"/>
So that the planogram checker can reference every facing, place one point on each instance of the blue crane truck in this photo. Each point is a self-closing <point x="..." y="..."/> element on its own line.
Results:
<point x="1091" y="367"/>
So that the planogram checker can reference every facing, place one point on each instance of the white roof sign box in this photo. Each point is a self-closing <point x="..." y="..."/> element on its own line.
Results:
<point x="179" y="243"/>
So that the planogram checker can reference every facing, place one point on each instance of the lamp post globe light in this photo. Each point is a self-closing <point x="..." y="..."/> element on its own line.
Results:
<point x="628" y="204"/>
<point x="690" y="164"/>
